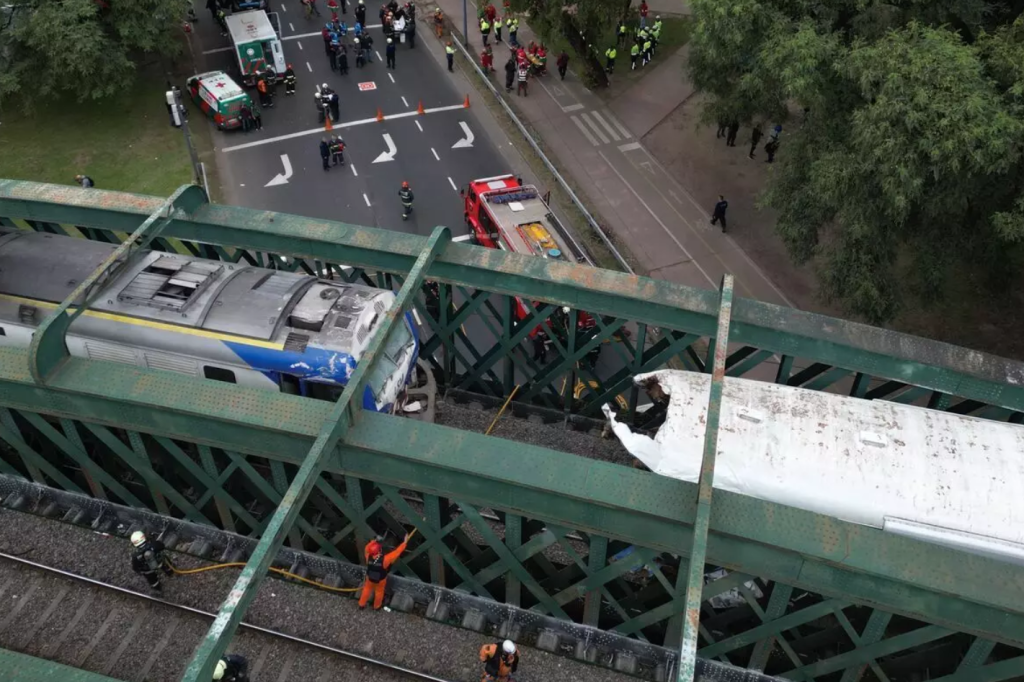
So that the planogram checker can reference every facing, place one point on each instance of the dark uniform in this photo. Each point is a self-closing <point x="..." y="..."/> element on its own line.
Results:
<point x="338" y="151"/>
<point x="148" y="560"/>
<point x="289" y="81"/>
<point x="325" y="153"/>
<point x="231" y="668"/>
<point x="405" y="194"/>
<point x="498" y="664"/>
<point x="719" y="214"/>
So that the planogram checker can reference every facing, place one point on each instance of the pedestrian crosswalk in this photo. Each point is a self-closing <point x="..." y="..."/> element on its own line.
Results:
<point x="600" y="129"/>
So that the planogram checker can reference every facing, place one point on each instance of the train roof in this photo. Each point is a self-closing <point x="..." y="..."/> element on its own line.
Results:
<point x="947" y="478"/>
<point x="524" y="220"/>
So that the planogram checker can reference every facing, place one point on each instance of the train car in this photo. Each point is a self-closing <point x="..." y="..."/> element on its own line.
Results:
<point x="936" y="476"/>
<point x="228" y="322"/>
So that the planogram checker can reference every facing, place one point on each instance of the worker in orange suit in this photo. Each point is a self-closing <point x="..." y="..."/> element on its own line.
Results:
<point x="377" y="569"/>
<point x="500" y="660"/>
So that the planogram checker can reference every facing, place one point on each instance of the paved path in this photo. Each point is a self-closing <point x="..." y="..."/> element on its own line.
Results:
<point x="663" y="224"/>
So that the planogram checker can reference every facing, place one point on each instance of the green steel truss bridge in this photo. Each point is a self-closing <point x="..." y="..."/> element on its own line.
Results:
<point x="816" y="598"/>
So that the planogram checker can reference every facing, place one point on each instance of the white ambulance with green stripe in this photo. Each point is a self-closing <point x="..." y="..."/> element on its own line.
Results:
<point x="257" y="45"/>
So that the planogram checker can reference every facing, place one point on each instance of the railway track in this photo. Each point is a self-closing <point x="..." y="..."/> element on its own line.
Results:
<point x="113" y="631"/>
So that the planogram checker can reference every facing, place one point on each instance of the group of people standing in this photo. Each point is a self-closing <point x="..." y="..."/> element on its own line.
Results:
<point x="729" y="130"/>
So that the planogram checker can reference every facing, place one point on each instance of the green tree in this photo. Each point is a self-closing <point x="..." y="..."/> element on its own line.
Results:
<point x="88" y="48"/>
<point x="908" y="166"/>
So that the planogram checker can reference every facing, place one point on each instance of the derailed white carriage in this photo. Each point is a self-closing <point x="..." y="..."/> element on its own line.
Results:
<point x="949" y="479"/>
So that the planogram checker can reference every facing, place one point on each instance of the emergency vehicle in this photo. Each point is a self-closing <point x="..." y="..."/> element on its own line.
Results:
<point x="503" y="213"/>
<point x="257" y="45"/>
<point x="219" y="97"/>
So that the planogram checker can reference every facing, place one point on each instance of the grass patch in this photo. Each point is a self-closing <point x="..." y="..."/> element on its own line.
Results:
<point x="123" y="143"/>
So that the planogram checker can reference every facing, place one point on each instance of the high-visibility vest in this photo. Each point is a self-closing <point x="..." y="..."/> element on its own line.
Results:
<point x="657" y="26"/>
<point x="635" y="50"/>
<point x="449" y="49"/>
<point x="484" y="26"/>
<point x="622" y="29"/>
<point x="611" y="53"/>
<point x="647" y="46"/>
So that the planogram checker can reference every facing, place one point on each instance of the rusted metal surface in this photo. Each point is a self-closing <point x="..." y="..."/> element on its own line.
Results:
<point x="705" y="488"/>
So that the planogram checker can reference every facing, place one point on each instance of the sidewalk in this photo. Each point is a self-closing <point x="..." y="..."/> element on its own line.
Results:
<point x="663" y="225"/>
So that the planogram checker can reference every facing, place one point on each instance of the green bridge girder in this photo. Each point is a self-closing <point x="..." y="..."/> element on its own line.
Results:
<point x="205" y="451"/>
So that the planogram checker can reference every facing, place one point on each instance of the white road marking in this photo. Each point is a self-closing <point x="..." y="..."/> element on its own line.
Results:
<point x="611" y="131"/>
<point x="366" y="199"/>
<point x="300" y="45"/>
<point x="416" y="315"/>
<point x="393" y="80"/>
<point x="290" y="27"/>
<point x="389" y="155"/>
<point x="354" y="171"/>
<point x="583" y="129"/>
<point x="462" y="238"/>
<point x="435" y="154"/>
<point x="658" y="220"/>
<point x="315" y="33"/>
<point x="418" y="125"/>
<point x="466" y="141"/>
<point x="309" y="67"/>
<point x="628" y="147"/>
<point x="572" y="107"/>
<point x="452" y="183"/>
<point x="284" y="8"/>
<point x="593" y="126"/>
<point x="319" y="130"/>
<point x="622" y="129"/>
<point x="403" y="100"/>
<point x="282" y="178"/>
<point x="379" y="58"/>
<point x="219" y="49"/>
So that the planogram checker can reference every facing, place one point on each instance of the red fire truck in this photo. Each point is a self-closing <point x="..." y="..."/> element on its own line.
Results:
<point x="503" y="213"/>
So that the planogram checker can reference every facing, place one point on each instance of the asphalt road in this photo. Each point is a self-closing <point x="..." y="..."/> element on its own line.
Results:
<point x="364" y="192"/>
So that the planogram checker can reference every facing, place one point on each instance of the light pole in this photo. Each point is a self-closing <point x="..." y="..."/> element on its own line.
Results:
<point x="179" y="119"/>
<point x="465" y="23"/>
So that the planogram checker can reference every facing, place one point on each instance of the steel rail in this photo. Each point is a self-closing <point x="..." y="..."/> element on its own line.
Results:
<point x="211" y="616"/>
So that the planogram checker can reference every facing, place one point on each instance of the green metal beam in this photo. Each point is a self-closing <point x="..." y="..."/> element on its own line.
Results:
<point x="786" y="331"/>
<point x="48" y="349"/>
<point x="705" y="487"/>
<point x="339" y="422"/>
<point x="825" y="555"/>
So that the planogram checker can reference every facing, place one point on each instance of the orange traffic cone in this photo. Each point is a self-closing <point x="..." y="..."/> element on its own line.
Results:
<point x="328" y="126"/>
<point x="419" y="109"/>
<point x="380" y="114"/>
<point x="466" y="103"/>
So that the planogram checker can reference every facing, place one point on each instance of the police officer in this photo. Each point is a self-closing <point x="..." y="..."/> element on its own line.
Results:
<point x="325" y="153"/>
<point x="485" y="29"/>
<point x="647" y="50"/>
<point x="610" y="55"/>
<point x="500" y="660"/>
<point x="289" y="80"/>
<point x="148" y="559"/>
<point x="449" y="53"/>
<point x="634" y="54"/>
<point x="389" y="53"/>
<point x="361" y="12"/>
<point x="338" y="150"/>
<point x="623" y="32"/>
<point x="368" y="44"/>
<point x="405" y="194"/>
<point x="231" y="668"/>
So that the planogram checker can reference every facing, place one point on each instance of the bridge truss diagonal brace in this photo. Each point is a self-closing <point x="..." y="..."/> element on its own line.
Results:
<point x="702" y="522"/>
<point x="48" y="348"/>
<point x="337" y="425"/>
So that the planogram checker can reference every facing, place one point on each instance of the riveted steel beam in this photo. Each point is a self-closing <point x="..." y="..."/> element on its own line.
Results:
<point x="339" y="421"/>
<point x="48" y="349"/>
<point x="705" y="487"/>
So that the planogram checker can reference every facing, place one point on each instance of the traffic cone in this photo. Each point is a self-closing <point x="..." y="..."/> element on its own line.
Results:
<point x="420" y="109"/>
<point x="465" y="104"/>
<point x="328" y="126"/>
<point x="380" y="115"/>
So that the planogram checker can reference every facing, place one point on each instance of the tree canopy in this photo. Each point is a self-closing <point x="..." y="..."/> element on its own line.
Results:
<point x="907" y="168"/>
<point x="86" y="48"/>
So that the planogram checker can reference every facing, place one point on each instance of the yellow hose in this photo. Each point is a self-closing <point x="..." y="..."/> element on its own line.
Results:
<point x="502" y="410"/>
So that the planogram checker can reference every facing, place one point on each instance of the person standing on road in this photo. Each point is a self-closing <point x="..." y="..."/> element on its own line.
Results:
<point x="730" y="137"/>
<point x="512" y="24"/>
<point x="257" y="118"/>
<point x="623" y="33"/>
<point x="610" y="55"/>
<point x="245" y="113"/>
<point x="84" y="180"/>
<point x="524" y="73"/>
<point x="643" y="13"/>
<point x="510" y="72"/>
<point x="485" y="29"/>
<point x="368" y="45"/>
<point x="213" y="7"/>
<point x="361" y="12"/>
<point x="719" y="213"/>
<point x="332" y="54"/>
<point x="563" y="64"/>
<point x="755" y="137"/>
<point x="343" y="60"/>
<point x="406" y="197"/>
<point x="497" y="29"/>
<point x="647" y="50"/>
<point x="500" y="660"/>
<point x="261" y="88"/>
<point x="337" y="150"/>
<point x="449" y="53"/>
<point x="148" y="559"/>
<point x="634" y="55"/>
<point x="379" y="565"/>
<point x="325" y="153"/>
<point x="389" y="53"/>
<point x="487" y="60"/>
<point x="289" y="80"/>
<point x="771" y="148"/>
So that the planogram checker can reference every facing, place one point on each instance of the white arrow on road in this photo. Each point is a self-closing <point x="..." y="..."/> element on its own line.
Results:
<point x="467" y="141"/>
<point x="282" y="178"/>
<point x="389" y="155"/>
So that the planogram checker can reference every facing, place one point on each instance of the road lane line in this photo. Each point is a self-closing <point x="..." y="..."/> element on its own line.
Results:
<point x="452" y="183"/>
<point x="348" y="124"/>
<point x="379" y="58"/>
<point x="309" y="67"/>
<point x="572" y="107"/>
<point x="354" y="171"/>
<point x="393" y="80"/>
<point x="300" y="45"/>
<point x="403" y="99"/>
<point x="583" y="129"/>
<point x="290" y="27"/>
<point x="418" y="125"/>
<point x="629" y="146"/>
<point x="714" y="285"/>
<point x="586" y="119"/>
<point x="219" y="49"/>
<point x="599" y="119"/>
<point x="435" y="154"/>
<point x="622" y="129"/>
<point x="366" y="199"/>
<point x="284" y="8"/>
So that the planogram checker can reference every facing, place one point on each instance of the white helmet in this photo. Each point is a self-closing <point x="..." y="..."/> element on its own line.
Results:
<point x="138" y="538"/>
<point x="219" y="670"/>
<point x="324" y="86"/>
<point x="389" y="41"/>
<point x="508" y="646"/>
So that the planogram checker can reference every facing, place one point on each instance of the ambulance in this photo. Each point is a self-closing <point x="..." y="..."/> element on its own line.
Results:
<point x="219" y="97"/>
<point x="257" y="45"/>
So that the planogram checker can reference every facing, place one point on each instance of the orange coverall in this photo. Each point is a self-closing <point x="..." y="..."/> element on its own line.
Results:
<point x="378" y="587"/>
<point x="506" y="666"/>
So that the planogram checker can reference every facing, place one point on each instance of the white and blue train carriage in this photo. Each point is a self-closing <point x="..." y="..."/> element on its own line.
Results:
<point x="228" y="322"/>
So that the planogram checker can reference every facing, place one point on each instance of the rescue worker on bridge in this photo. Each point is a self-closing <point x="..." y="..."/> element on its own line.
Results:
<point x="500" y="660"/>
<point x="231" y="668"/>
<point x="148" y="559"/>
<point x="377" y="568"/>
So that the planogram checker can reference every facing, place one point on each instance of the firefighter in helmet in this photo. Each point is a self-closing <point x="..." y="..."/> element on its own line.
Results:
<point x="500" y="660"/>
<point x="378" y="565"/>
<point x="148" y="559"/>
<point x="405" y="194"/>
